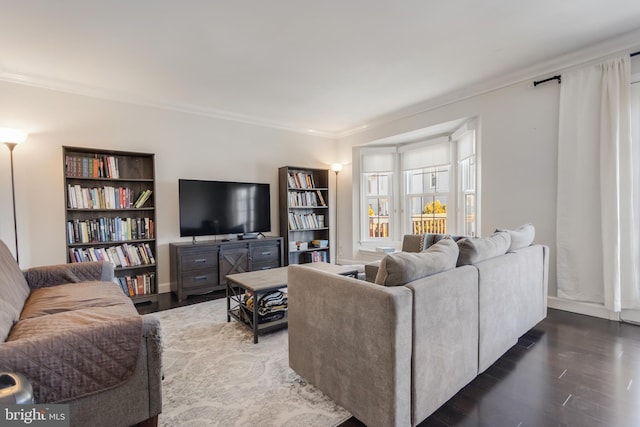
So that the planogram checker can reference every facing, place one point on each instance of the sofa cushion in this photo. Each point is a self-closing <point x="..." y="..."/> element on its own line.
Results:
<point x="77" y="296"/>
<point x="403" y="267"/>
<point x="521" y="237"/>
<point x="474" y="250"/>
<point x="14" y="289"/>
<point x="80" y="338"/>
<point x="433" y="238"/>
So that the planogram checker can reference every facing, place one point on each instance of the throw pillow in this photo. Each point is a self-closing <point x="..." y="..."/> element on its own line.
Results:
<point x="400" y="268"/>
<point x="474" y="250"/>
<point x="521" y="237"/>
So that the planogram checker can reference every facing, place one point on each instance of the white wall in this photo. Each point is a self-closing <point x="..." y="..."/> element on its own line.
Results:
<point x="186" y="146"/>
<point x="517" y="149"/>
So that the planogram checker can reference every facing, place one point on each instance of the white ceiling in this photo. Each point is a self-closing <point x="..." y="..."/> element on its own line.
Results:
<point x="327" y="65"/>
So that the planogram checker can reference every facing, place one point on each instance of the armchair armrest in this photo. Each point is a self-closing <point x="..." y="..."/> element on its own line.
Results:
<point x="53" y="275"/>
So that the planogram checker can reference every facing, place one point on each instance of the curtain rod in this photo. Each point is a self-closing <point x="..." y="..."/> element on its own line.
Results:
<point x="559" y="78"/>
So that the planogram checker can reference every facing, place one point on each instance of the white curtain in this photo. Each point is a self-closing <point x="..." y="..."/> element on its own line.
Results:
<point x="595" y="220"/>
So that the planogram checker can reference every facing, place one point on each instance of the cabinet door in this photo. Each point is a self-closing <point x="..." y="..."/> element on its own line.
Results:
<point x="192" y="260"/>
<point x="265" y="256"/>
<point x="233" y="260"/>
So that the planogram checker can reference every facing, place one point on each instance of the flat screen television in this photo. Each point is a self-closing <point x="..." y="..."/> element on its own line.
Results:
<point x="209" y="208"/>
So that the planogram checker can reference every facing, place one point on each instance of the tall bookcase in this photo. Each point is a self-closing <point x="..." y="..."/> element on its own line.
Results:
<point x="110" y="215"/>
<point x="304" y="214"/>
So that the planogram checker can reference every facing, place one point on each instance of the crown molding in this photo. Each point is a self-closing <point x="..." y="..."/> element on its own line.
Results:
<point x="113" y="95"/>
<point x="624" y="44"/>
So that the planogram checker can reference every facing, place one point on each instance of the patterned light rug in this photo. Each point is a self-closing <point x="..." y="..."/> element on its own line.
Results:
<point x="215" y="376"/>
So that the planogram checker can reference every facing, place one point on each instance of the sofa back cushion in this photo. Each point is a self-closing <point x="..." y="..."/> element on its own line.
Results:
<point x="474" y="250"/>
<point x="433" y="238"/>
<point x="403" y="267"/>
<point x="14" y="291"/>
<point x="521" y="237"/>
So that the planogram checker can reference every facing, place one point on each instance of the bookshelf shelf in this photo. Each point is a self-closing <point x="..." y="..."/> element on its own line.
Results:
<point x="137" y="267"/>
<point x="304" y="213"/>
<point x="109" y="243"/>
<point x="99" y="179"/>
<point x="110" y="194"/>
<point x="109" y="209"/>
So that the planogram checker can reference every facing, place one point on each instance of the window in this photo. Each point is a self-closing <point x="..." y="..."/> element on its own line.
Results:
<point x="426" y="167"/>
<point x="377" y="185"/>
<point x="424" y="187"/>
<point x="427" y="195"/>
<point x="466" y="154"/>
<point x="378" y="196"/>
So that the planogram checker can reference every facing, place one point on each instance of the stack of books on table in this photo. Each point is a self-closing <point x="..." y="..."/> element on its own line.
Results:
<point x="386" y="249"/>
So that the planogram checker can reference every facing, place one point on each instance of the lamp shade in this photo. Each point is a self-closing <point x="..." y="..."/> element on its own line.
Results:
<point x="336" y="167"/>
<point x="12" y="136"/>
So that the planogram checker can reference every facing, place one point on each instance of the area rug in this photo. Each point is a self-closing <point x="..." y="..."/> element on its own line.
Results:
<point x="214" y="375"/>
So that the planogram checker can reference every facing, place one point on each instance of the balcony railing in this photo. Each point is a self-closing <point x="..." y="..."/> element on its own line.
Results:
<point x="434" y="223"/>
<point x="378" y="226"/>
<point x="427" y="223"/>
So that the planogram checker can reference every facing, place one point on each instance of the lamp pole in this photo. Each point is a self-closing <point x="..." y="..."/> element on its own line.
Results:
<point x="336" y="167"/>
<point x="11" y="146"/>
<point x="11" y="138"/>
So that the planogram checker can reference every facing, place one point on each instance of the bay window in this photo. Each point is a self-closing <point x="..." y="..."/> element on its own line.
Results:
<point x="428" y="186"/>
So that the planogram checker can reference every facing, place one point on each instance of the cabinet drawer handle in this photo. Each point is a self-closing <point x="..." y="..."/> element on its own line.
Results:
<point x="200" y="278"/>
<point x="266" y="268"/>
<point x="266" y="253"/>
<point x="200" y="261"/>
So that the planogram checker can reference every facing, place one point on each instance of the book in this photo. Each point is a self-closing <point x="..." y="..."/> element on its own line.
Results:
<point x="142" y="198"/>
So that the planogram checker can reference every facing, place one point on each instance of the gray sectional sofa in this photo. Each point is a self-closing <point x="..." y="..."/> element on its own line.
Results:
<point x="73" y="334"/>
<point x="393" y="354"/>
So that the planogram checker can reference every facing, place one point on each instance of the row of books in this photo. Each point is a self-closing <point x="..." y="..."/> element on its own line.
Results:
<point x="316" y="256"/>
<point x="305" y="221"/>
<point x="109" y="230"/>
<point x="106" y="197"/>
<point x="92" y="167"/>
<point x="141" y="284"/>
<point x="306" y="199"/>
<point x="301" y="180"/>
<point x="125" y="255"/>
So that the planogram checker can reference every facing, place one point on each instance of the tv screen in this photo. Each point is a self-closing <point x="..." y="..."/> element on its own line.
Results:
<point x="209" y="208"/>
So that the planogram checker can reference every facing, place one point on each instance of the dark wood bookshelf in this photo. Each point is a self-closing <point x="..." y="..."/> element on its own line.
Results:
<point x="93" y="175"/>
<point x="304" y="213"/>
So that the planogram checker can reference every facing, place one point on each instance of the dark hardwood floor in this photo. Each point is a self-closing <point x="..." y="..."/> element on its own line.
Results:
<point x="570" y="370"/>
<point x="168" y="300"/>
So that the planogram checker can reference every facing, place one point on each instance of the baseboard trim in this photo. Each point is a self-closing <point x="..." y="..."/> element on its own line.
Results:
<point x="163" y="288"/>
<point x="586" y="308"/>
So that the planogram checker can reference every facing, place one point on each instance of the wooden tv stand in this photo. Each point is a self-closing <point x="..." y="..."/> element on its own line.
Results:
<point x="201" y="267"/>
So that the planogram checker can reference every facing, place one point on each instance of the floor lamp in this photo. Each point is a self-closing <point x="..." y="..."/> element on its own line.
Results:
<point x="336" y="167"/>
<point x="11" y="138"/>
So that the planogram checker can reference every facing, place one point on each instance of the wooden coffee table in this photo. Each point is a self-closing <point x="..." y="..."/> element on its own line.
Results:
<point x="260" y="283"/>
